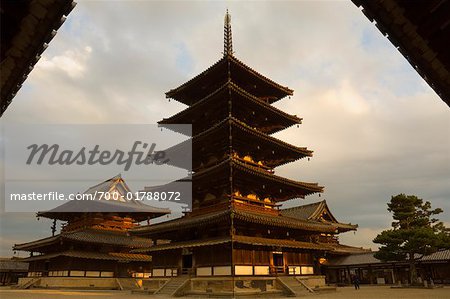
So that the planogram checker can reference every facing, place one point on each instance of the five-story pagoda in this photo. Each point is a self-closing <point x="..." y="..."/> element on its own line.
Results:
<point x="235" y="227"/>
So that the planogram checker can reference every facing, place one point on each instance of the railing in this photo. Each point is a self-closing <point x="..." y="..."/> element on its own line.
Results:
<point x="207" y="209"/>
<point x="248" y="207"/>
<point x="329" y="239"/>
<point x="254" y="164"/>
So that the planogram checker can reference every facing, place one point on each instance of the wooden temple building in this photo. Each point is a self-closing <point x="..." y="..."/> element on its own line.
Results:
<point x="236" y="227"/>
<point x="91" y="244"/>
<point x="236" y="238"/>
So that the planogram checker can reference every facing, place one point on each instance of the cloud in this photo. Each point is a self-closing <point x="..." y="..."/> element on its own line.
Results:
<point x="72" y="63"/>
<point x="363" y="237"/>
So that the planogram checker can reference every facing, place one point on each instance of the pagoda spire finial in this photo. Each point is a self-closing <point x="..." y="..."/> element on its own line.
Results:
<point x="227" y="38"/>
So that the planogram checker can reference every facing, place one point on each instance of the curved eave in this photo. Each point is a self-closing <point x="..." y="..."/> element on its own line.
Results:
<point x="185" y="244"/>
<point x="345" y="227"/>
<point x="311" y="188"/>
<point x="69" y="210"/>
<point x="112" y="256"/>
<point x="300" y="150"/>
<point x="287" y="91"/>
<point x="173" y="92"/>
<point x="306" y="188"/>
<point x="184" y="222"/>
<point x="281" y="91"/>
<point x="297" y="152"/>
<point x="246" y="240"/>
<point x="284" y="222"/>
<point x="187" y="222"/>
<point x="283" y="243"/>
<point x="137" y="216"/>
<point x="303" y="151"/>
<point x="85" y="236"/>
<point x="37" y="243"/>
<point x="178" y="118"/>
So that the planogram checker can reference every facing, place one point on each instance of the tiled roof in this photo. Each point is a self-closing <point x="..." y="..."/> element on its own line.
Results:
<point x="285" y="89"/>
<point x="186" y="244"/>
<point x="13" y="265"/>
<point x="37" y="243"/>
<point x="256" y="241"/>
<point x="442" y="255"/>
<point x="183" y="222"/>
<point x="345" y="249"/>
<point x="281" y="221"/>
<point x="89" y="236"/>
<point x="317" y="211"/>
<point x="368" y="258"/>
<point x="93" y="255"/>
<point x="291" y="188"/>
<point x="250" y="99"/>
<point x="246" y="134"/>
<point x="136" y="208"/>
<point x="220" y="67"/>
<point x="214" y="217"/>
<point x="354" y="259"/>
<point x="107" y="237"/>
<point x="304" y="211"/>
<point x="279" y="243"/>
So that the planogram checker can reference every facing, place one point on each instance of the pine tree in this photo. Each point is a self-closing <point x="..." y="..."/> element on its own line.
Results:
<point x="415" y="232"/>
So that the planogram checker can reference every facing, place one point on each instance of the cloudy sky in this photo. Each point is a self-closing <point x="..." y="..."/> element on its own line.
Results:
<point x="376" y="128"/>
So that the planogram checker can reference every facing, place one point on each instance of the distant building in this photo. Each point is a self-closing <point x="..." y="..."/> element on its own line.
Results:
<point x="373" y="271"/>
<point x="92" y="244"/>
<point x="11" y="269"/>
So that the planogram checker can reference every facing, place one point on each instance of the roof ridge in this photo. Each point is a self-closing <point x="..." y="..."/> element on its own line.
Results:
<point x="119" y="176"/>
<point x="304" y="206"/>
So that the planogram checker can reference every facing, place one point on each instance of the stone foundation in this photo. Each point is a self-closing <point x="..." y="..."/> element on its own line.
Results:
<point x="73" y="282"/>
<point x="225" y="285"/>
<point x="228" y="286"/>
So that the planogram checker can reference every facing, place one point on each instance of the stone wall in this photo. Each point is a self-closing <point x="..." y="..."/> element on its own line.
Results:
<point x="73" y="282"/>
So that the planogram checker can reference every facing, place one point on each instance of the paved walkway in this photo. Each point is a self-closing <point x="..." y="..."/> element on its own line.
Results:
<point x="385" y="292"/>
<point x="366" y="292"/>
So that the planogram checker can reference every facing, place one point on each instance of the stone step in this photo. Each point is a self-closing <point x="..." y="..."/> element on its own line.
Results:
<point x="294" y="287"/>
<point x="172" y="285"/>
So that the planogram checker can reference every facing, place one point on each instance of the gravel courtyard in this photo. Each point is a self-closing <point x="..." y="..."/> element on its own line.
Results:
<point x="369" y="292"/>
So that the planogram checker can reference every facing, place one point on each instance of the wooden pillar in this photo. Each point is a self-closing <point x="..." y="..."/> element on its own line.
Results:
<point x="370" y="275"/>
<point x="69" y="266"/>
<point x="253" y="260"/>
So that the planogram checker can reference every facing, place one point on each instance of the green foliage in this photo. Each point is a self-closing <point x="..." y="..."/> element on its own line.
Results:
<point x="415" y="232"/>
